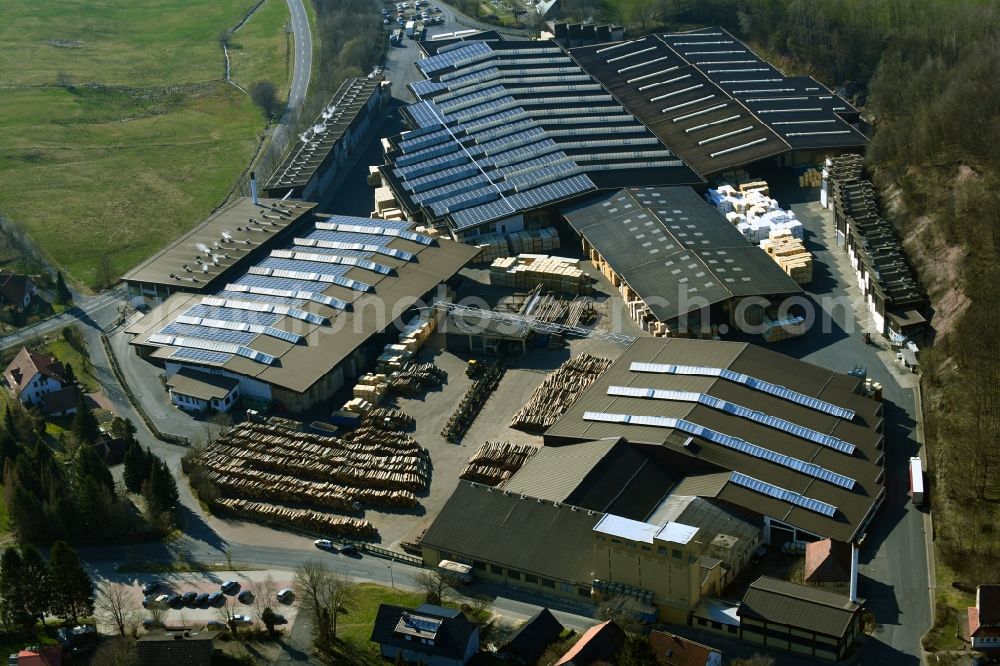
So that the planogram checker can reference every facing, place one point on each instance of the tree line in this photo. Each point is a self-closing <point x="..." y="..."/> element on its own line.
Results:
<point x="70" y="494"/>
<point x="31" y="587"/>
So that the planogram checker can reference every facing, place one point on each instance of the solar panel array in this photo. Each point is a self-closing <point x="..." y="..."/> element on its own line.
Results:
<point x="735" y="443"/>
<point x="281" y="285"/>
<point x="782" y="494"/>
<point x="751" y="382"/>
<point x="802" y="432"/>
<point x="489" y="109"/>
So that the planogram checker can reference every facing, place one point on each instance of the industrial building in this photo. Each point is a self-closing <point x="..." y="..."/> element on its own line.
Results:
<point x="719" y="106"/>
<point x="294" y="325"/>
<point x="666" y="475"/>
<point x="802" y="619"/>
<point x="326" y="148"/>
<point x="210" y="253"/>
<point x="505" y="131"/>
<point x="678" y="263"/>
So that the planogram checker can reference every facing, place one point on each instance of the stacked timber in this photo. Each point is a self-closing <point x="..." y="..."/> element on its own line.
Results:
<point x="581" y="311"/>
<point x="811" y="178"/>
<point x="415" y="378"/>
<point x="544" y="307"/>
<point x="313" y="521"/>
<point x="371" y="466"/>
<point x="534" y="241"/>
<point x="558" y="392"/>
<point x="495" y="462"/>
<point x="491" y="247"/>
<point x="783" y="329"/>
<point x="527" y="271"/>
<point x="389" y="418"/>
<point x="374" y="176"/>
<point x="791" y="254"/>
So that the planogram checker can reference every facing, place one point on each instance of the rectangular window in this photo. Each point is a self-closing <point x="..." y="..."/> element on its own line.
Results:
<point x="528" y="578"/>
<point x="701" y="621"/>
<point x="476" y="564"/>
<point x="583" y="591"/>
<point x="496" y="569"/>
<point x="565" y="587"/>
<point x="646" y="548"/>
<point x="676" y="554"/>
<point x="717" y="625"/>
<point x="548" y="582"/>
<point x="732" y="628"/>
<point x="660" y="550"/>
<point x="513" y="574"/>
<point x="616" y="540"/>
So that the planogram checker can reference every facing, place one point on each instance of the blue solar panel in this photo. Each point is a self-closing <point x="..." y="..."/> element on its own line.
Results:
<point x="201" y="356"/>
<point x="562" y="189"/>
<point x="423" y="140"/>
<point x="515" y="140"/>
<point x="437" y="194"/>
<point x="465" y="200"/>
<point x="304" y="266"/>
<point x="427" y="153"/>
<point x="359" y="254"/>
<point x="263" y="298"/>
<point x="348" y="237"/>
<point x="367" y="222"/>
<point x="423" y="114"/>
<point x="492" y="120"/>
<point x="426" y="87"/>
<point x="432" y="165"/>
<point x="451" y="57"/>
<point x="480" y="75"/>
<point x="540" y="175"/>
<point x="442" y="177"/>
<point x="490" y="211"/>
<point x="524" y="153"/>
<point x="205" y="333"/>
<point x="227" y="314"/>
<point x="479" y="110"/>
<point x="270" y="282"/>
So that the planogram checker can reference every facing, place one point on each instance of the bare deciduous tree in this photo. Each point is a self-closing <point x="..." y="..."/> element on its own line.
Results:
<point x="436" y="584"/>
<point x="323" y="595"/>
<point x="116" y="606"/>
<point x="117" y="651"/>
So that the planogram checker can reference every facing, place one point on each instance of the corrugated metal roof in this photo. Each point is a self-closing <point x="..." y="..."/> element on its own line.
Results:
<point x="555" y="472"/>
<point x="530" y="535"/>
<point x="201" y="385"/>
<point x="800" y="606"/>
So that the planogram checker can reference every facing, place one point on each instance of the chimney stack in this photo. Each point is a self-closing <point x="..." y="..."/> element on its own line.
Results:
<point x="253" y="187"/>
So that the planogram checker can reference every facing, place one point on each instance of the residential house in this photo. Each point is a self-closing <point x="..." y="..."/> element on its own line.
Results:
<point x="600" y="644"/>
<point x="532" y="638"/>
<point x="170" y="648"/>
<point x="31" y="376"/>
<point x="16" y="290"/>
<point x="63" y="402"/>
<point x="428" y="635"/>
<point x="984" y="618"/>
<point x="672" y="650"/>
<point x="48" y="655"/>
<point x="803" y="619"/>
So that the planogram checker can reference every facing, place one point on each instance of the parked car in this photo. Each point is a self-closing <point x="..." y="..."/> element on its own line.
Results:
<point x="148" y="601"/>
<point x="201" y="599"/>
<point x="285" y="595"/>
<point x="230" y="587"/>
<point x="245" y="597"/>
<point x="325" y="544"/>
<point x="151" y="623"/>
<point x="162" y="600"/>
<point x="243" y="620"/>
<point x="189" y="598"/>
<point x="217" y="625"/>
<point x="215" y="598"/>
<point x="349" y="549"/>
<point x="174" y="600"/>
<point x="150" y="587"/>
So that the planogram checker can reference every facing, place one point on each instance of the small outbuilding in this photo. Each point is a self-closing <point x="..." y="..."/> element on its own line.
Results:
<point x="532" y="638"/>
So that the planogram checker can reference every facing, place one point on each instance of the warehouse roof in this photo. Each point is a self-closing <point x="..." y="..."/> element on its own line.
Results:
<point x="297" y="313"/>
<point x="320" y="138"/>
<point x="505" y="127"/>
<point x="801" y="606"/>
<point x="675" y="251"/>
<point x="226" y="238"/>
<point x="201" y="385"/>
<point x="549" y="539"/>
<point x="715" y="102"/>
<point x="799" y="443"/>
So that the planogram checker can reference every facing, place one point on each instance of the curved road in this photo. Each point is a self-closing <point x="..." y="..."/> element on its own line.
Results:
<point x="302" y="70"/>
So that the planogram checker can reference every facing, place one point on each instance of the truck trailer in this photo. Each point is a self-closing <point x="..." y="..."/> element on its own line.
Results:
<point x="462" y="572"/>
<point x="917" y="481"/>
<point x="409" y="29"/>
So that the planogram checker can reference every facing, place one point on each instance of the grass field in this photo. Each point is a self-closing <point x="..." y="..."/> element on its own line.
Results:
<point x="354" y="629"/>
<point x="118" y="132"/>
<point x="262" y="48"/>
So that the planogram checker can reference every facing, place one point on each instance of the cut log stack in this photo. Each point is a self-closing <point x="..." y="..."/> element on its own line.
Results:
<point x="558" y="392"/>
<point x="416" y="378"/>
<point x="495" y="462"/>
<point x="389" y="418"/>
<point x="370" y="466"/>
<point x="791" y="254"/>
<point x="313" y="521"/>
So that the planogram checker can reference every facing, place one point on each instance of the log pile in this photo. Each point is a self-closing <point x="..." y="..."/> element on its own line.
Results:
<point x="495" y="462"/>
<point x="472" y="402"/>
<point x="370" y="466"/>
<point x="313" y="521"/>
<point x="415" y="378"/>
<point x="389" y="418"/>
<point x="558" y="392"/>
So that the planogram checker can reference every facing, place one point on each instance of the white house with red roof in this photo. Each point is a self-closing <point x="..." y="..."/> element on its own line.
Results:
<point x="984" y="618"/>
<point x="31" y="376"/>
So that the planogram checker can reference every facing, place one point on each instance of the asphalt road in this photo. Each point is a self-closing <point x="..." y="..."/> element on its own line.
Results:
<point x="85" y="308"/>
<point x="303" y="58"/>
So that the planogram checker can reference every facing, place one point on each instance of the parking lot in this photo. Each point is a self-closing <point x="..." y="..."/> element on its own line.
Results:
<point x="263" y="585"/>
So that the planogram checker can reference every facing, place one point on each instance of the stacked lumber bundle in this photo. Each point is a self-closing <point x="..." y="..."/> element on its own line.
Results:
<point x="389" y="418"/>
<point x="491" y="247"/>
<point x="384" y="199"/>
<point x="783" y="329"/>
<point x="791" y="254"/>
<point x="495" y="462"/>
<point x="536" y="240"/>
<point x="754" y="186"/>
<point x="527" y="271"/>
<point x="415" y="334"/>
<point x="415" y="378"/>
<point x="753" y="212"/>
<point x="313" y="521"/>
<point x="374" y="176"/>
<point x="811" y="178"/>
<point x="428" y="231"/>
<point x="558" y="392"/>
<point x="358" y="406"/>
<point x="259" y="461"/>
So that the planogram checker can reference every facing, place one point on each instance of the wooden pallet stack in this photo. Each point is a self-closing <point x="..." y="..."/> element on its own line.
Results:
<point x="415" y="378"/>
<point x="559" y="390"/>
<point x="495" y="462"/>
<point x="811" y="178"/>
<point x="313" y="521"/>
<point x="491" y="247"/>
<point x="389" y="418"/>
<point x="533" y="241"/>
<point x="527" y="271"/>
<point x="791" y="254"/>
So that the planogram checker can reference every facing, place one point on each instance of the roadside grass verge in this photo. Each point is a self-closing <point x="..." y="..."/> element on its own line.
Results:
<point x="179" y="566"/>
<point x="354" y="628"/>
<point x="262" y="50"/>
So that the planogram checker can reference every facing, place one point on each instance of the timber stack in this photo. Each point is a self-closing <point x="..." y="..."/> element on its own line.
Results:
<point x="558" y="392"/>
